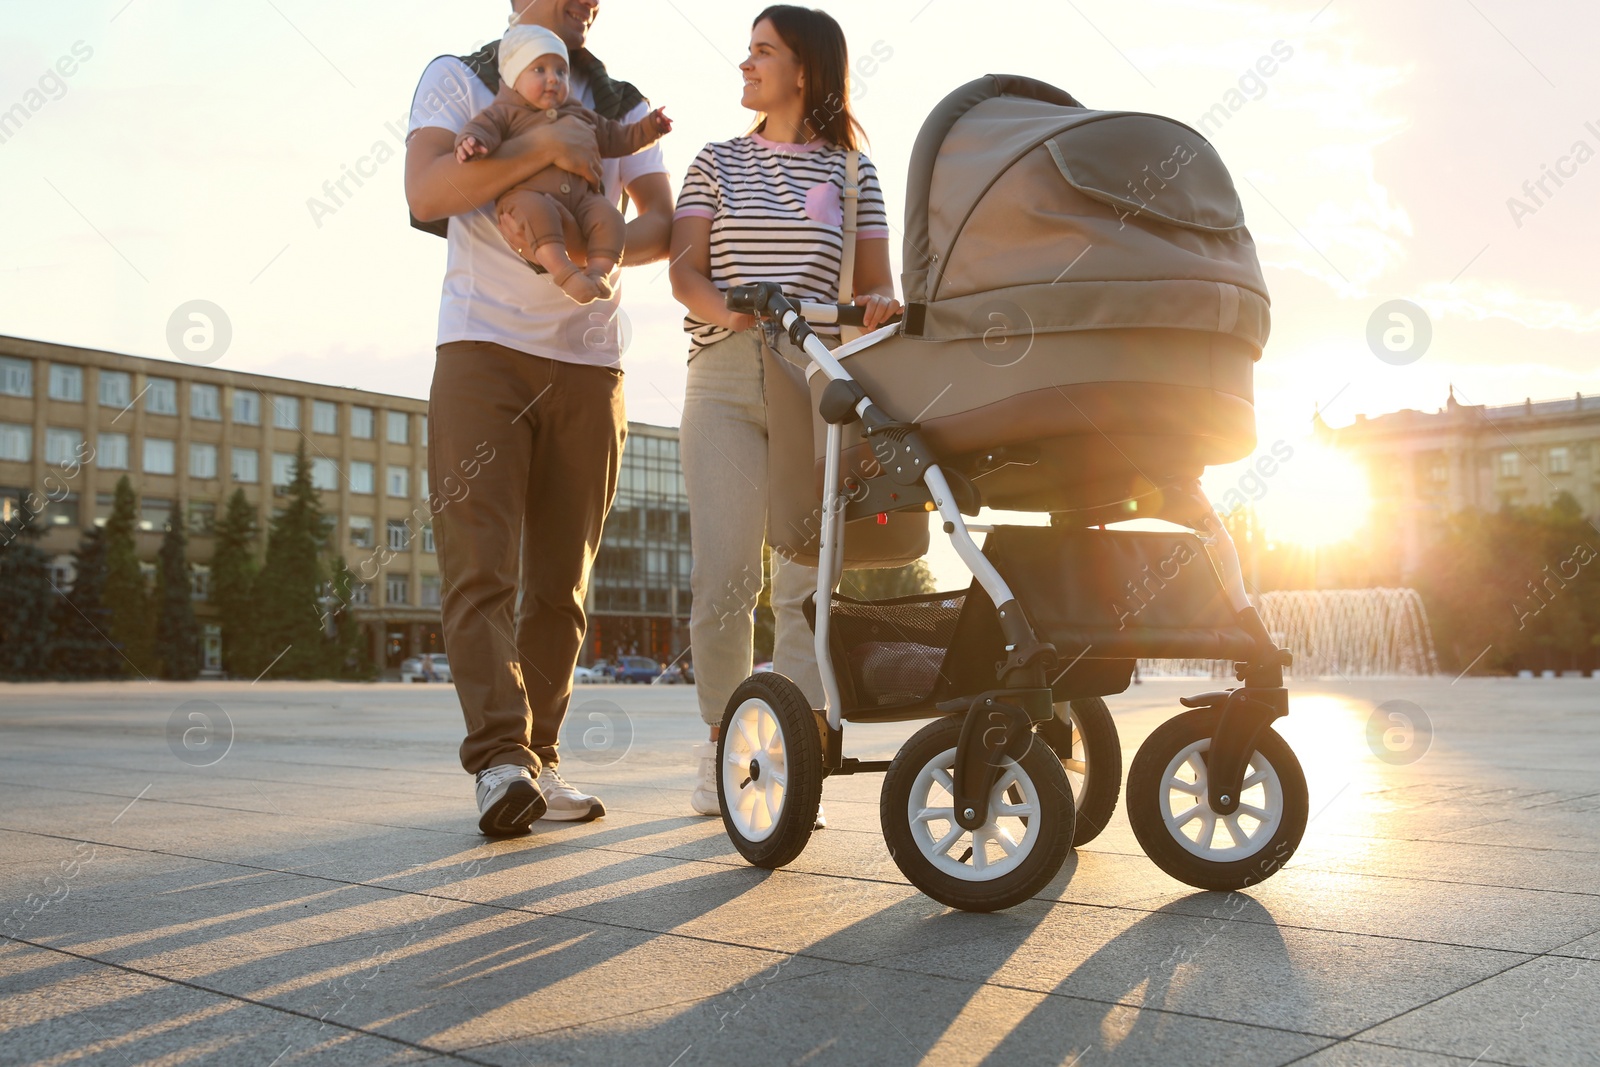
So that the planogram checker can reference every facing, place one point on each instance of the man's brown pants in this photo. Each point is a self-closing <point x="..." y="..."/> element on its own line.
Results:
<point x="523" y="455"/>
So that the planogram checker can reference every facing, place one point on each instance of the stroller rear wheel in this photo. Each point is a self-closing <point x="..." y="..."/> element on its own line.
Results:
<point x="769" y="770"/>
<point x="1170" y="811"/>
<point x="1003" y="862"/>
<point x="1085" y="737"/>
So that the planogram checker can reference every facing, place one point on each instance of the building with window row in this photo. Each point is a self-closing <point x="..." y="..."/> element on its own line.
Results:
<point x="73" y="421"/>
<point x="1422" y="467"/>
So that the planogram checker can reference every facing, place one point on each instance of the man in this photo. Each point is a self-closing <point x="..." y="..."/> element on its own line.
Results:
<point x="525" y="417"/>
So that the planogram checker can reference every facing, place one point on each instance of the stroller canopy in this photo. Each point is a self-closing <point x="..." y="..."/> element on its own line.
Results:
<point x="1028" y="213"/>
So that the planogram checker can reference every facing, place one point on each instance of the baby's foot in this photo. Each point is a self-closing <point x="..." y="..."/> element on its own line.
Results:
<point x="581" y="287"/>
<point x="602" y="281"/>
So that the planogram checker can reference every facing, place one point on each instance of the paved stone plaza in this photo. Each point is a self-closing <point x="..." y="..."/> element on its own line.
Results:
<point x="318" y="894"/>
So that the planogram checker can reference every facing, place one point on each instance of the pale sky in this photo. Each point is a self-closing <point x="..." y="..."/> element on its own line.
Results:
<point x="1375" y="163"/>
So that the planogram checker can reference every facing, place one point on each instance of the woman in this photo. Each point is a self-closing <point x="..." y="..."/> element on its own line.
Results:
<point x="762" y="207"/>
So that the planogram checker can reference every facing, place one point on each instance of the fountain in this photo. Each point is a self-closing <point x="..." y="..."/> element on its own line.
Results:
<point x="1336" y="633"/>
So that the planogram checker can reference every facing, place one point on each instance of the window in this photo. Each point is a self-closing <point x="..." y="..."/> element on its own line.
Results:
<point x="361" y="531"/>
<point x="62" y="447"/>
<point x="205" y="402"/>
<point x="160" y="457"/>
<point x="286" y="412"/>
<point x="11" y="503"/>
<point x="424" y="431"/>
<point x="247" y="407"/>
<point x="427" y="539"/>
<point x="397" y="589"/>
<point x="66" y="383"/>
<point x="397" y="485"/>
<point x="202" y="461"/>
<point x="361" y="477"/>
<point x="63" y="512"/>
<point x="161" y="396"/>
<point x="324" y="474"/>
<point x="360" y="593"/>
<point x="116" y="388"/>
<point x="63" y="572"/>
<point x="111" y="451"/>
<point x="361" y="423"/>
<point x="16" y="442"/>
<point x="200" y="582"/>
<point x="154" y="513"/>
<point x="397" y="425"/>
<point x="103" y="505"/>
<point x="282" y="468"/>
<point x="422" y="481"/>
<point x="324" y="416"/>
<point x="203" y="518"/>
<point x="399" y="535"/>
<point x="1560" y="461"/>
<point x="16" y="376"/>
<point x="430" y="590"/>
<point x="246" y="465"/>
<point x="1510" y="465"/>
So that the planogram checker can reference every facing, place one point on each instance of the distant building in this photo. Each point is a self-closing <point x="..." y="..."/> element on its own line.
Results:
<point x="195" y="434"/>
<point x="1423" y="467"/>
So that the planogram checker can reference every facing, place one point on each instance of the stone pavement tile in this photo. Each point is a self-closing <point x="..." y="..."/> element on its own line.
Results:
<point x="1465" y="862"/>
<point x="1367" y="1054"/>
<point x="865" y="1015"/>
<point x="1587" y="947"/>
<point x="1248" y="971"/>
<point x="1551" y="828"/>
<point x="1539" y="1013"/>
<point x="1516" y="920"/>
<point x="61" y="1009"/>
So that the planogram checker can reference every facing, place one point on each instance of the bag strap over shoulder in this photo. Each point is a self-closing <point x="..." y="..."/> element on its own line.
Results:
<point x="850" y="198"/>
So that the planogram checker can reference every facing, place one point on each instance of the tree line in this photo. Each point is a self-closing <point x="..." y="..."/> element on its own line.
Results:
<point x="287" y="616"/>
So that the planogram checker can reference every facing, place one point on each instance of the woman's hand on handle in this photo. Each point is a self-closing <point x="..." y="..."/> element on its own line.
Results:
<point x="880" y="309"/>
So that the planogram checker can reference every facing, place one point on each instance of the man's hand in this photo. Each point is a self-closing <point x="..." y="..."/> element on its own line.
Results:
<point x="576" y="150"/>
<point x="663" y="124"/>
<point x="469" y="149"/>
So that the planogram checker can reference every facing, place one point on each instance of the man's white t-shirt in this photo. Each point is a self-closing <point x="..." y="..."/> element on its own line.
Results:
<point x="490" y="293"/>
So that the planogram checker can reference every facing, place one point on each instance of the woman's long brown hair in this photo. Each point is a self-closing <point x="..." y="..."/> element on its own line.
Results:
<point x="818" y="43"/>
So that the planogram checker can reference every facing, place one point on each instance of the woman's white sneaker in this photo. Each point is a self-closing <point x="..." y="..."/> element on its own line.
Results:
<point x="566" y="804"/>
<point x="509" y="801"/>
<point x="704" y="800"/>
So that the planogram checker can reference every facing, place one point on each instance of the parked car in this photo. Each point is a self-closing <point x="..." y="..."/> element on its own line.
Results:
<point x="419" y="668"/>
<point x="762" y="668"/>
<point x="637" y="669"/>
<point x="587" y="676"/>
<point x="677" y="674"/>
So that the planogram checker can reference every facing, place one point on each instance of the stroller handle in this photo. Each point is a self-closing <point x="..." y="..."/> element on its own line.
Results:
<point x="746" y="300"/>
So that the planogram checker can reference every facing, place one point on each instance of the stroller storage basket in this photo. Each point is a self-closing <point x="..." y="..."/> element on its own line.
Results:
<point x="891" y="652"/>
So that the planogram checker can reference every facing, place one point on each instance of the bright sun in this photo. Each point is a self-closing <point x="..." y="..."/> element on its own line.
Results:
<point x="1317" y="497"/>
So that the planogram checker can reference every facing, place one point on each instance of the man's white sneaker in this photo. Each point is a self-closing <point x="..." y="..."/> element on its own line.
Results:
<point x="566" y="804"/>
<point x="508" y="801"/>
<point x="704" y="800"/>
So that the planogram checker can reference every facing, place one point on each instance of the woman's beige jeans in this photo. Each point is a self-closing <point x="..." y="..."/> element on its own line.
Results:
<point x="724" y="446"/>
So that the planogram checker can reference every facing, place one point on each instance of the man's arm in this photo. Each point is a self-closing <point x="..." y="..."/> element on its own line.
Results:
<point x="650" y="234"/>
<point x="437" y="186"/>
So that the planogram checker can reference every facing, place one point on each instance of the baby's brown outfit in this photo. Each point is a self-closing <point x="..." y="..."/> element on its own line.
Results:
<point x="534" y="202"/>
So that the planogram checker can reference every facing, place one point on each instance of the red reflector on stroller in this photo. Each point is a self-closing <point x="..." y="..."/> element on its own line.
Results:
<point x="883" y="518"/>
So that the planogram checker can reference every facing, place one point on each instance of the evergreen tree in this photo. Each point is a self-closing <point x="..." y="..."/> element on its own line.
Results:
<point x="886" y="583"/>
<point x="125" y="595"/>
<point x="25" y="623"/>
<point x="291" y="584"/>
<point x="83" y="644"/>
<point x="233" y="578"/>
<point x="177" y="635"/>
<point x="349" y="647"/>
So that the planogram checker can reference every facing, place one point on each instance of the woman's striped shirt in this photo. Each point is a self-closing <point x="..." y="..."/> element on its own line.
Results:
<point x="776" y="216"/>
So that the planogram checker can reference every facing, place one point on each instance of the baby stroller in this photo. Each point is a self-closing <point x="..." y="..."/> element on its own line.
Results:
<point x="1084" y="310"/>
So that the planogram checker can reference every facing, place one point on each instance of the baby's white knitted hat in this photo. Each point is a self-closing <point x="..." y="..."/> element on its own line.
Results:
<point x="522" y="45"/>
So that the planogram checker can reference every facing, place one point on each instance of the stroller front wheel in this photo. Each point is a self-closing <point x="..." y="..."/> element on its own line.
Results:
<point x="1169" y="806"/>
<point x="769" y="770"/>
<point x="1002" y="863"/>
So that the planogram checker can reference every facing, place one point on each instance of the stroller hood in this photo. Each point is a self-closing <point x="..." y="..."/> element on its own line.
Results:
<point x="1027" y="213"/>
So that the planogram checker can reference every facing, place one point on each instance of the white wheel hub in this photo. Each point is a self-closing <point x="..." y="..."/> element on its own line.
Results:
<point x="755" y="770"/>
<point x="1076" y="763"/>
<point x="1186" y="807"/>
<point x="996" y="848"/>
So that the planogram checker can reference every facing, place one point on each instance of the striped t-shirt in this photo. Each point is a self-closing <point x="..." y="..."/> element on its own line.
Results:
<point x="776" y="216"/>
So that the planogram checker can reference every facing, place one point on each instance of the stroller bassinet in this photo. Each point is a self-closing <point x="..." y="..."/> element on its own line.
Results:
<point x="1073" y="337"/>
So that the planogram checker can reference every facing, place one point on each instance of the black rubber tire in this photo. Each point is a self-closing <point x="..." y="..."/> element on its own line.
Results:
<point x="1147" y="792"/>
<point x="802" y="750"/>
<point x="1101" y="754"/>
<point x="1039" y="763"/>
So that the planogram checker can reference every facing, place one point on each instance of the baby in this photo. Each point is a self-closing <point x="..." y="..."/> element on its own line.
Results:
<point x="533" y="92"/>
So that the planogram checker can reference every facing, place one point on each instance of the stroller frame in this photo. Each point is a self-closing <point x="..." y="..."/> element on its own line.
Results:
<point x="998" y="724"/>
